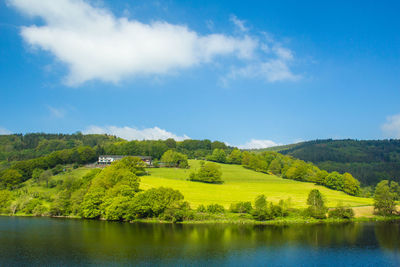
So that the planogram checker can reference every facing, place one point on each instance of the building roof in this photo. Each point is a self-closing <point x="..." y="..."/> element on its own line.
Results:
<point x="122" y="156"/>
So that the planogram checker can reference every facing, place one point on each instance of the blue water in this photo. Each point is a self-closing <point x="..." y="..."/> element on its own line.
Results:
<point x="69" y="242"/>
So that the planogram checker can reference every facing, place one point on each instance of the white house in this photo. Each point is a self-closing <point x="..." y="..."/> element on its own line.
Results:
<point x="108" y="159"/>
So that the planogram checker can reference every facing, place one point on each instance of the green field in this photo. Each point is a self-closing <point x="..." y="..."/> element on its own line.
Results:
<point x="241" y="184"/>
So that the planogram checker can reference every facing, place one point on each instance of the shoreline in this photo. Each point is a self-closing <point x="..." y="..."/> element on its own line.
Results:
<point x="277" y="222"/>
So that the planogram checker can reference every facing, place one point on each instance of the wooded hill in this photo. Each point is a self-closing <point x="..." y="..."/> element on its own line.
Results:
<point x="370" y="161"/>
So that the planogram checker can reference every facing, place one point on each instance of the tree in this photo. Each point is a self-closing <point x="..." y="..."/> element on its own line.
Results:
<point x="36" y="174"/>
<point x="208" y="173"/>
<point x="316" y="206"/>
<point x="133" y="164"/>
<point x="241" y="207"/>
<point x="175" y="159"/>
<point x="45" y="177"/>
<point x="384" y="199"/>
<point x="5" y="201"/>
<point x="171" y="143"/>
<point x="275" y="166"/>
<point x="218" y="155"/>
<point x="351" y="185"/>
<point x="10" y="178"/>
<point x="341" y="212"/>
<point x="335" y="181"/>
<point x="297" y="171"/>
<point x="153" y="202"/>
<point x="260" y="212"/>
<point x="235" y="157"/>
<point x="395" y="188"/>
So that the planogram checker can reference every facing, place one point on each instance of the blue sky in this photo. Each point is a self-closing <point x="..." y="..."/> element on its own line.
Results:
<point x="250" y="73"/>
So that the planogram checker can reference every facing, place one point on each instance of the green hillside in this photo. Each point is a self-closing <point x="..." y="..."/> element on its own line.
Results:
<point x="241" y="184"/>
<point x="370" y="161"/>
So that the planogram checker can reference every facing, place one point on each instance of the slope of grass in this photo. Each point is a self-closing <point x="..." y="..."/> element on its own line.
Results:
<point x="242" y="185"/>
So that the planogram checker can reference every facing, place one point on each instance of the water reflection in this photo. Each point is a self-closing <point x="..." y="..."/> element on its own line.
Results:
<point x="45" y="241"/>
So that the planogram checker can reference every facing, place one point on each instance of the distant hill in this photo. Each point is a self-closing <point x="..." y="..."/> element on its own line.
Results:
<point x="370" y="161"/>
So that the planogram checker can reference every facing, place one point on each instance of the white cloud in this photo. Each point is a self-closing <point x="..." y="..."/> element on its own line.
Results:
<point x="4" y="131"/>
<point x="238" y="23"/>
<point x="129" y="133"/>
<point x="97" y="45"/>
<point x="56" y="112"/>
<point x="273" y="69"/>
<point x="391" y="127"/>
<point x="257" y="144"/>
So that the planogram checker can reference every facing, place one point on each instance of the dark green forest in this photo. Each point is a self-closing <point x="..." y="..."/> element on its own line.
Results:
<point x="369" y="161"/>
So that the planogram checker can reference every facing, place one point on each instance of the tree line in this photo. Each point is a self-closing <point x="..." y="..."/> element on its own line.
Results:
<point x="370" y="161"/>
<point x="289" y="168"/>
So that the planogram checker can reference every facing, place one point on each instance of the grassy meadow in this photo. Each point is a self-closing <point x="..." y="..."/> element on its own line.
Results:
<point x="241" y="184"/>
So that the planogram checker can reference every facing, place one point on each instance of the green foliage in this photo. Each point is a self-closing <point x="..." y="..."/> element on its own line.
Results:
<point x="218" y="155"/>
<point x="369" y="161"/>
<point x="299" y="170"/>
<point x="175" y="159"/>
<point x="80" y="154"/>
<point x="178" y="212"/>
<point x="153" y="202"/>
<point x="133" y="164"/>
<point x="10" y="178"/>
<point x="90" y="207"/>
<point x="384" y="199"/>
<point x="45" y="177"/>
<point x="5" y="201"/>
<point x="341" y="212"/>
<point x="262" y="211"/>
<point x="208" y="173"/>
<point x="316" y="205"/>
<point x="235" y="157"/>
<point x="111" y="189"/>
<point x="36" y="174"/>
<point x="201" y="208"/>
<point x="351" y="185"/>
<point x="275" y="166"/>
<point x="215" y="208"/>
<point x="241" y="207"/>
<point x="260" y="202"/>
<point x="335" y="181"/>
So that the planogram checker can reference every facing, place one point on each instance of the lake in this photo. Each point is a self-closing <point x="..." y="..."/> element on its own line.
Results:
<point x="73" y="242"/>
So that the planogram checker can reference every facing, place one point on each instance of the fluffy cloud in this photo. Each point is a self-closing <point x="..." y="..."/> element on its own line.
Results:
<point x="96" y="45"/>
<point x="4" y="131"/>
<point x="391" y="127"/>
<point x="257" y="144"/>
<point x="129" y="133"/>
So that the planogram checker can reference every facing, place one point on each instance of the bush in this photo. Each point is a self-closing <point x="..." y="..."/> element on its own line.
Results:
<point x="241" y="207"/>
<point x="153" y="202"/>
<point x="341" y="212"/>
<point x="208" y="173"/>
<point x="201" y="208"/>
<point x="175" y="159"/>
<point x="57" y="169"/>
<point x="40" y="210"/>
<point x="178" y="213"/>
<point x="215" y="208"/>
<point x="30" y="205"/>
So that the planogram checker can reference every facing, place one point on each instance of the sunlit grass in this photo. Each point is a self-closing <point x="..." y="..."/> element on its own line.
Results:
<point x="241" y="184"/>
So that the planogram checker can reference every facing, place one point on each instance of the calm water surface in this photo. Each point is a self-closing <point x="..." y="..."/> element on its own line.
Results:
<point x="69" y="242"/>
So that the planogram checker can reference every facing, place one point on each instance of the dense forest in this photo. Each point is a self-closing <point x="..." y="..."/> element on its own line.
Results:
<point x="368" y="161"/>
<point x="21" y="155"/>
